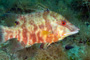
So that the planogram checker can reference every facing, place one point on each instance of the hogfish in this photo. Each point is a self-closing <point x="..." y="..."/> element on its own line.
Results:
<point x="39" y="27"/>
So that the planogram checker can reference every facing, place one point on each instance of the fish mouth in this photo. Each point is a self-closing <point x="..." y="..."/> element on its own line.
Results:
<point x="73" y="32"/>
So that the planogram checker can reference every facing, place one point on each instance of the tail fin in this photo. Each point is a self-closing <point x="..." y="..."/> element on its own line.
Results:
<point x="12" y="43"/>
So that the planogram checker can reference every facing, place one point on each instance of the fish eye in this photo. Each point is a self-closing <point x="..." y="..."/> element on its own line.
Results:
<point x="63" y="22"/>
<point x="16" y="22"/>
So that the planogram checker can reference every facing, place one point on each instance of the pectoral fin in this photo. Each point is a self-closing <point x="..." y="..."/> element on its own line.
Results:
<point x="45" y="45"/>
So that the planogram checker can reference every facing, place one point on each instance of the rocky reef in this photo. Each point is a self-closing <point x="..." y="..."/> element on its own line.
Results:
<point x="76" y="47"/>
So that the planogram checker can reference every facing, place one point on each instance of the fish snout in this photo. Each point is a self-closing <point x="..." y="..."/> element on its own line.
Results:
<point x="72" y="30"/>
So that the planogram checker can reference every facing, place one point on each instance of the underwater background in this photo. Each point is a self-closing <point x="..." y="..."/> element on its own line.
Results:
<point x="75" y="47"/>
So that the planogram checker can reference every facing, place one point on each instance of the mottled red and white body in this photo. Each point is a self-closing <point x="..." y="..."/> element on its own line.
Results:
<point x="39" y="27"/>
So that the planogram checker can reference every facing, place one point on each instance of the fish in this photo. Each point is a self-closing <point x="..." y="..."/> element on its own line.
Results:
<point x="44" y="27"/>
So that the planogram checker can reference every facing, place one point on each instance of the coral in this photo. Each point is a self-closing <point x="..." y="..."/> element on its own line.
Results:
<point x="52" y="53"/>
<point x="76" y="53"/>
<point x="27" y="53"/>
<point x="33" y="53"/>
<point x="6" y="5"/>
<point x="82" y="7"/>
<point x="3" y="56"/>
<point x="87" y="54"/>
<point x="23" y="6"/>
<point x="2" y="10"/>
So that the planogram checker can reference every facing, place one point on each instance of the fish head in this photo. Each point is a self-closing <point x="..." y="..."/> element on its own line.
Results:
<point x="63" y="28"/>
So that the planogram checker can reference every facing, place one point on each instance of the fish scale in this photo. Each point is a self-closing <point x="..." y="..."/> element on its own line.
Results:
<point x="39" y="27"/>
